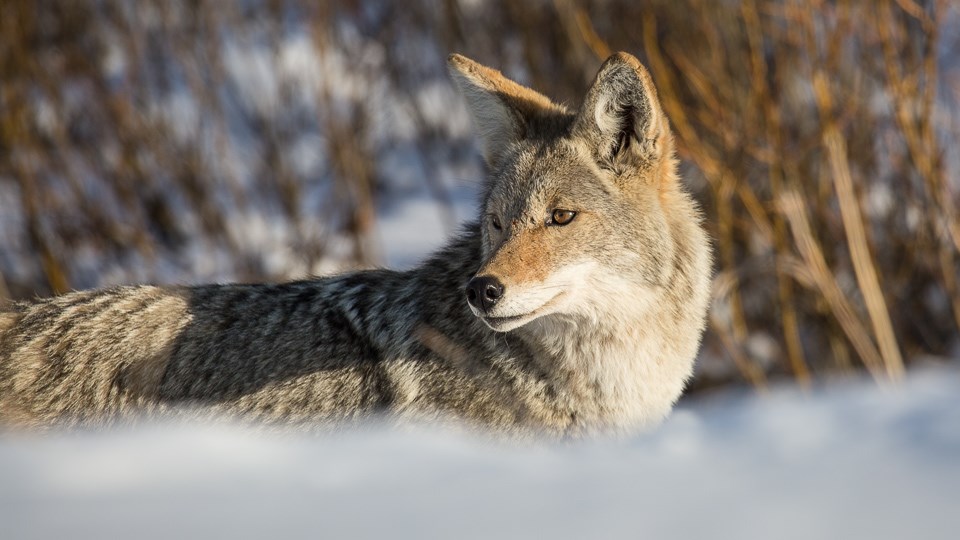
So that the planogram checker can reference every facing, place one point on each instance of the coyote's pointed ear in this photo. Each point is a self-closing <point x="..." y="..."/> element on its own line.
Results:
<point x="504" y="112"/>
<point x="621" y="115"/>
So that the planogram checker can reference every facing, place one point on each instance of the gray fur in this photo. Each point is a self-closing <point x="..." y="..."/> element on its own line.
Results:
<point x="613" y="355"/>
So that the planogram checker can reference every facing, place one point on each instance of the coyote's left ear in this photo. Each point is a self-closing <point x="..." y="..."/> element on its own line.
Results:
<point x="621" y="115"/>
<point x="504" y="112"/>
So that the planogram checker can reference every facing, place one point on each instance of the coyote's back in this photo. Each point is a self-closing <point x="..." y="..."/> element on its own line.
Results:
<point x="573" y="304"/>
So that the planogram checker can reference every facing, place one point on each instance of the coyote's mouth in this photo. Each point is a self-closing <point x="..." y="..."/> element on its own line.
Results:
<point x="510" y="322"/>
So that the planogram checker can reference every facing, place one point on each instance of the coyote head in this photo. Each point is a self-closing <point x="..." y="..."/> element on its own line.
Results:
<point x="575" y="216"/>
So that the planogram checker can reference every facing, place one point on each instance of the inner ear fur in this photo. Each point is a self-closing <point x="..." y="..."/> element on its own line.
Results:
<point x="621" y="115"/>
<point x="504" y="112"/>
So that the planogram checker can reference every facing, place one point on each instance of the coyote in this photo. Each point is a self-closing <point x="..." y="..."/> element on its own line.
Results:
<point x="573" y="305"/>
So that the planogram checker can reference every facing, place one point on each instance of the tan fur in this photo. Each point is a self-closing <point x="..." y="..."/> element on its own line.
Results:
<point x="7" y="321"/>
<point x="142" y="379"/>
<point x="528" y="257"/>
<point x="527" y="101"/>
<point x="502" y="109"/>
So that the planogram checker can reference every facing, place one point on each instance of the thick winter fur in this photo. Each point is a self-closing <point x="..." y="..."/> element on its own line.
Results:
<point x="595" y="328"/>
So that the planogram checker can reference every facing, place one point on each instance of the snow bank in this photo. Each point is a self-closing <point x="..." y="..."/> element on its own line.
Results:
<point x="851" y="461"/>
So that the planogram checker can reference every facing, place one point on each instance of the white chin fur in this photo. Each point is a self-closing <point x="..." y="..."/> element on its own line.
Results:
<point x="506" y="324"/>
<point x="502" y="324"/>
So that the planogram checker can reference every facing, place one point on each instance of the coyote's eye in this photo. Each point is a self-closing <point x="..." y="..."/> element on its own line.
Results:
<point x="495" y="221"/>
<point x="562" y="217"/>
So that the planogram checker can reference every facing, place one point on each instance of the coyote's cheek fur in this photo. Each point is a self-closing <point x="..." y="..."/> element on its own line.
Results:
<point x="574" y="304"/>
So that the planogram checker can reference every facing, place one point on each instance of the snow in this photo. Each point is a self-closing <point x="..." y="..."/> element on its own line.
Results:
<point x="851" y="460"/>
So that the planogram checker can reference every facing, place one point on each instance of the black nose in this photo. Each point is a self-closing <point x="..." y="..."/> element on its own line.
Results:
<point x="483" y="292"/>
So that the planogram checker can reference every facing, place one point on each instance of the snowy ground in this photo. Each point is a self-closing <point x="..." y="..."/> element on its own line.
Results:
<point x="849" y="461"/>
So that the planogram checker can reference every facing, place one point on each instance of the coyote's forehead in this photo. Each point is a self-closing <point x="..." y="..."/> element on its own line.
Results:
<point x="539" y="178"/>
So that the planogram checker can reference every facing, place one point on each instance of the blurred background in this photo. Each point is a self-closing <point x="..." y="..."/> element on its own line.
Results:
<point x="186" y="141"/>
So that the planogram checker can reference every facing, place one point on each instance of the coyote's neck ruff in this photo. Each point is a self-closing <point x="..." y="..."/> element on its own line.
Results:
<point x="574" y="304"/>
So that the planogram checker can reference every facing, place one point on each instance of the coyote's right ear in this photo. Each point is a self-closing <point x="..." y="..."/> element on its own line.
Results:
<point x="504" y="112"/>
<point x="621" y="115"/>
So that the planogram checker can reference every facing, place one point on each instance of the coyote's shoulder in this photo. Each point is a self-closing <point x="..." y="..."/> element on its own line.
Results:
<point x="574" y="304"/>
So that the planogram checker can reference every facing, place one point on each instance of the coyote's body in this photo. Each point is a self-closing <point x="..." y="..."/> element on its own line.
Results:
<point x="574" y="304"/>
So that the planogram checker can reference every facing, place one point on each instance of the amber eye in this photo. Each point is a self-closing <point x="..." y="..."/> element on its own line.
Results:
<point x="495" y="221"/>
<point x="562" y="217"/>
